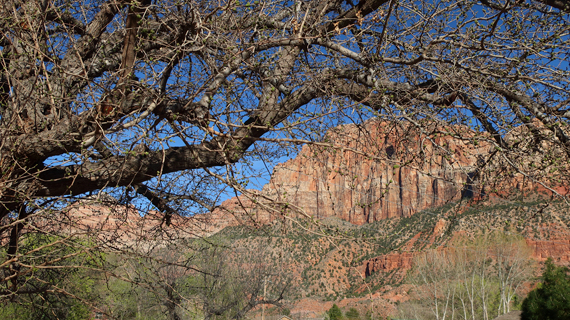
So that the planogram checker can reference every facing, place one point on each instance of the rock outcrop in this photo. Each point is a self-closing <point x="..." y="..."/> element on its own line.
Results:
<point x="388" y="262"/>
<point x="365" y="173"/>
<point x="378" y="170"/>
<point x="558" y="249"/>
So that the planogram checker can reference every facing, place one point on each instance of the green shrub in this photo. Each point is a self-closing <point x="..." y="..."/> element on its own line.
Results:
<point x="352" y="314"/>
<point x="335" y="313"/>
<point x="551" y="300"/>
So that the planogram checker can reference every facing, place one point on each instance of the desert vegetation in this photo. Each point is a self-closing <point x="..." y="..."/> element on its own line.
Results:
<point x="167" y="283"/>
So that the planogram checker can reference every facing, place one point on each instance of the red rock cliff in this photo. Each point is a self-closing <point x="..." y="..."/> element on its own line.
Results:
<point x="378" y="170"/>
<point x="396" y="171"/>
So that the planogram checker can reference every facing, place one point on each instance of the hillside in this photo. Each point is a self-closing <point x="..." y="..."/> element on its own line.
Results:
<point x="330" y="260"/>
<point x="363" y="266"/>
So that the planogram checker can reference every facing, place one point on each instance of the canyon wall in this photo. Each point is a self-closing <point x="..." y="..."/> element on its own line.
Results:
<point x="377" y="170"/>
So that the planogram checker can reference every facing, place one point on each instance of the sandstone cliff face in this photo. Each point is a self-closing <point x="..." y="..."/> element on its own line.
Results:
<point x="556" y="249"/>
<point x="396" y="172"/>
<point x="387" y="263"/>
<point x="378" y="170"/>
<point x="123" y="226"/>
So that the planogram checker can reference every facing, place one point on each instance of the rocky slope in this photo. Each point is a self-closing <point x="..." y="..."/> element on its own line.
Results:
<point x="382" y="170"/>
<point x="365" y="266"/>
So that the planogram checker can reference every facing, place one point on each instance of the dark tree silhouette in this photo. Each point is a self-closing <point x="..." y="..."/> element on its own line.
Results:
<point x="550" y="300"/>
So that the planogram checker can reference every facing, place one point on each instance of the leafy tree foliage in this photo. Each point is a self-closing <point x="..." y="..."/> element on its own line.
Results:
<point x="551" y="300"/>
<point x="72" y="286"/>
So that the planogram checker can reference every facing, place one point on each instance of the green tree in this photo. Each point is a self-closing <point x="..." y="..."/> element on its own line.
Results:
<point x="71" y="285"/>
<point x="334" y="313"/>
<point x="551" y="300"/>
<point x="352" y="314"/>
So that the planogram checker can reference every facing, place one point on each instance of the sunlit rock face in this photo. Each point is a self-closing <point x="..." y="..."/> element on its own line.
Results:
<point x="387" y="263"/>
<point x="379" y="170"/>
